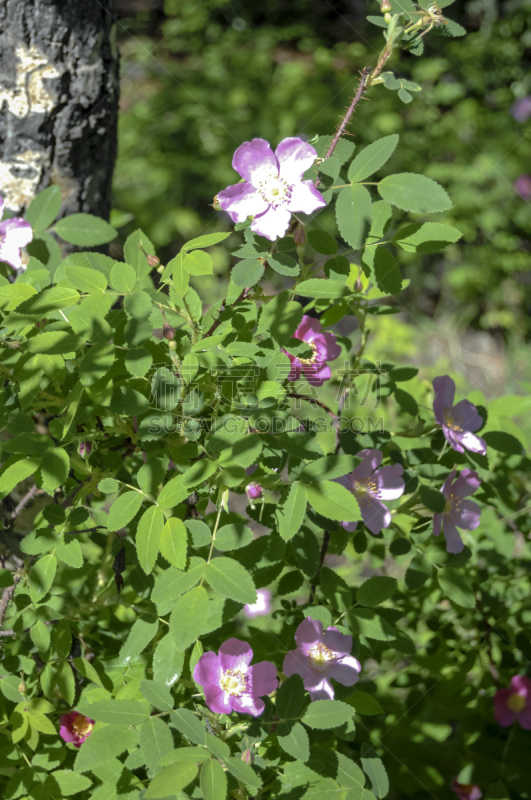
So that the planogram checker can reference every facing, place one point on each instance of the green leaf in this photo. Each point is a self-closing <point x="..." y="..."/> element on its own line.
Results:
<point x="320" y="289"/>
<point x="140" y="635"/>
<point x="279" y="318"/>
<point x="354" y="214"/>
<point x="138" y="305"/>
<point x="192" y="754"/>
<point x="290" y="698"/>
<point x="123" y="510"/>
<point x="375" y="771"/>
<point x="213" y="781"/>
<point x="333" y="501"/>
<point x="372" y="158"/>
<point x="230" y="579"/>
<point x="456" y="587"/>
<point x="54" y="343"/>
<point x="189" y="617"/>
<point x="138" y="362"/>
<point x="44" y="208"/>
<point x="102" y="745"/>
<point x="367" y="622"/>
<point x="247" y="273"/>
<point x="207" y="240"/>
<point x="86" y="279"/>
<point x="290" y="513"/>
<point x="293" y="739"/>
<point x="118" y="712"/>
<point x="243" y="772"/>
<point x="198" y="263"/>
<point x="325" y="714"/>
<point x="217" y="747"/>
<point x="41" y="577"/>
<point x="96" y="363"/>
<point x="376" y="591"/>
<point x="172" y="779"/>
<point x="55" y="466"/>
<point x="12" y="474"/>
<point x="174" y="542"/>
<point x="189" y="725"/>
<point x="412" y="192"/>
<point x="168" y="662"/>
<point x="322" y="242"/>
<point x="148" y="534"/>
<point x="157" y="694"/>
<point x="40" y="636"/>
<point x="387" y="272"/>
<point x="123" y="278"/>
<point x="283" y="264"/>
<point x="365" y="703"/>
<point x="427" y="238"/>
<point x="85" y="230"/>
<point x="432" y="499"/>
<point x="41" y="723"/>
<point x="108" y="486"/>
<point x="171" y="584"/>
<point x="69" y="782"/>
<point x="233" y="536"/>
<point x="66" y="683"/>
<point x="54" y="299"/>
<point x="503" y="442"/>
<point x="155" y="741"/>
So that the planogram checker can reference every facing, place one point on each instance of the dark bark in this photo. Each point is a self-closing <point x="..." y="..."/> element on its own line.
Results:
<point x="58" y="102"/>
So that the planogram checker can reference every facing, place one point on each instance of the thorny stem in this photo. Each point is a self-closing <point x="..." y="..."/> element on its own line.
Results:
<point x="344" y="122"/>
<point x="297" y="396"/>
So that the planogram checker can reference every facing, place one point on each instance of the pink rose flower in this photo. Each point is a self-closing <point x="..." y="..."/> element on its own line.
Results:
<point x="325" y="348"/>
<point x="458" y="512"/>
<point x="466" y="791"/>
<point x="320" y="656"/>
<point x="273" y="186"/>
<point x="262" y="607"/>
<point x="15" y="233"/>
<point x="230" y="684"/>
<point x="514" y="703"/>
<point x="254" y="491"/>
<point x="75" y="727"/>
<point x="458" y="422"/>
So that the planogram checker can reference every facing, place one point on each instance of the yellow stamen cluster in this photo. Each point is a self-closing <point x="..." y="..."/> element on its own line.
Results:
<point x="82" y="726"/>
<point x="313" y="359"/>
<point x="516" y="703"/>
<point x="319" y="657"/>
<point x="275" y="190"/>
<point x="234" y="682"/>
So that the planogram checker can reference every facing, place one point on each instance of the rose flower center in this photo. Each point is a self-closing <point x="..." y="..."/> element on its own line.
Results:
<point x="319" y="657"/>
<point x="275" y="190"/>
<point x="516" y="703"/>
<point x="365" y="488"/>
<point x="313" y="359"/>
<point x="234" y="682"/>
<point x="81" y="725"/>
<point x="450" y="422"/>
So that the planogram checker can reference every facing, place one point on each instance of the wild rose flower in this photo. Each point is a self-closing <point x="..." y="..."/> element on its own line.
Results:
<point x="320" y="656"/>
<point x="459" y="421"/>
<point x="523" y="186"/>
<point x="458" y="512"/>
<point x="324" y="347"/>
<point x="514" y="703"/>
<point x="273" y="186"/>
<point x="370" y="486"/>
<point x="230" y="684"/>
<point x="466" y="791"/>
<point x="15" y="233"/>
<point x="254" y="491"/>
<point x="75" y="727"/>
<point x="521" y="109"/>
<point x="262" y="607"/>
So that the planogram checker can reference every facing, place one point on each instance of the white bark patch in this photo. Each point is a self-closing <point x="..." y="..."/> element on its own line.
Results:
<point x="19" y="178"/>
<point x="30" y="95"/>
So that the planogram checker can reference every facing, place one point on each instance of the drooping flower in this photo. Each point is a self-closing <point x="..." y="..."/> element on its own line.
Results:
<point x="262" y="607"/>
<point x="254" y="490"/>
<point x="370" y="486"/>
<point x="75" y="727"/>
<point x="230" y="684"/>
<point x="514" y="703"/>
<point x="521" y="109"/>
<point x="273" y="187"/>
<point x="458" y="512"/>
<point x="466" y="791"/>
<point x="324" y="347"/>
<point x="320" y="656"/>
<point x="458" y="422"/>
<point x="523" y="186"/>
<point x="15" y="233"/>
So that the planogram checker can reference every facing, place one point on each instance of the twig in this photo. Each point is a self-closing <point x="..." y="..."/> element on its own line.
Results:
<point x="25" y="500"/>
<point x="7" y="594"/>
<point x="297" y="396"/>
<point x="217" y="322"/>
<point x="72" y="494"/>
<point x="357" y="97"/>
<point x="324" y="548"/>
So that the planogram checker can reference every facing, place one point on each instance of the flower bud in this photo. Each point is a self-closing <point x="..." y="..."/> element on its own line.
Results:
<point x="172" y="345"/>
<point x="254" y="491"/>
<point x="168" y="332"/>
<point x="299" y="236"/>
<point x="84" y="449"/>
<point x="358" y="286"/>
<point x="385" y="6"/>
<point x="153" y="261"/>
<point x="387" y="18"/>
<point x="22" y="687"/>
<point x="247" y="757"/>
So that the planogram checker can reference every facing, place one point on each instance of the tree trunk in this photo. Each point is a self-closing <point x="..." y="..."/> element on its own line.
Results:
<point x="58" y="102"/>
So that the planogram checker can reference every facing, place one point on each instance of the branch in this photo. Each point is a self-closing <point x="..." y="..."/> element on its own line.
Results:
<point x="297" y="396"/>
<point x="25" y="500"/>
<point x="357" y="97"/>
<point x="7" y="594"/>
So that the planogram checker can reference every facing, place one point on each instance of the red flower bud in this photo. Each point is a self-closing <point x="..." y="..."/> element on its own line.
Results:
<point x="153" y="261"/>
<point x="385" y="6"/>
<point x="168" y="332"/>
<point x="299" y="236"/>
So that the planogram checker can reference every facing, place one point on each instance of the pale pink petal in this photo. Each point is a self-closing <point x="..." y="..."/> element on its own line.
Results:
<point x="273" y="223"/>
<point x="323" y="690"/>
<point x="374" y="514"/>
<point x="504" y="716"/>
<point x="502" y="695"/>
<point x="340" y="643"/>
<point x="295" y="157"/>
<point x="469" y="515"/>
<point x="241" y="201"/>
<point x="444" y="388"/>
<point x="235" y="654"/>
<point x="296" y="663"/>
<point x="308" y="634"/>
<point x="332" y="347"/>
<point x="10" y="254"/>
<point x="349" y="526"/>
<point x="2" y="204"/>
<point x="466" y="414"/>
<point x="255" y="160"/>
<point x="305" y="198"/>
<point x="308" y="329"/>
<point x="390" y="482"/>
<point x="248" y="705"/>
<point x="524" y="718"/>
<point x="295" y="371"/>
<point x="454" y="543"/>
<point x="466" y="484"/>
<point x="371" y="461"/>
<point x="346" y="671"/>
<point x="17" y="231"/>
<point x="317" y="374"/>
<point x="472" y="442"/>
<point x="207" y="670"/>
<point x="521" y="684"/>
<point x="454" y="439"/>
<point x="262" y="678"/>
<point x="217" y="700"/>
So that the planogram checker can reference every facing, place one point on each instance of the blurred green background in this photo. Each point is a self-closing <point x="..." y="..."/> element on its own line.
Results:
<point x="200" y="78"/>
